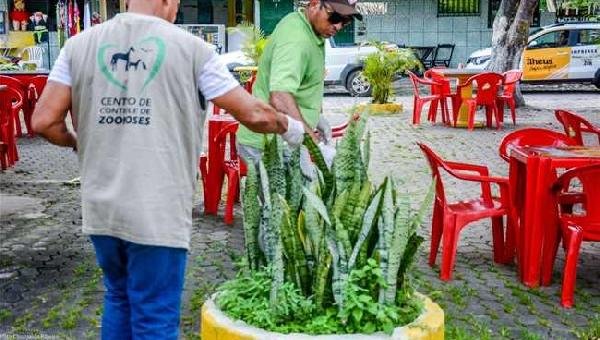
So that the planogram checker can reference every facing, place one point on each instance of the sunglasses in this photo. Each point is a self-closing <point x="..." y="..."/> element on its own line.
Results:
<point x="336" y="18"/>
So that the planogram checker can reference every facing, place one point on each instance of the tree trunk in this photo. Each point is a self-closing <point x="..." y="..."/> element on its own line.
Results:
<point x="509" y="36"/>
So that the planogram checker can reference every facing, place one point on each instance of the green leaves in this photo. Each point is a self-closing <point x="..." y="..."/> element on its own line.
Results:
<point x="335" y="253"/>
<point x="381" y="68"/>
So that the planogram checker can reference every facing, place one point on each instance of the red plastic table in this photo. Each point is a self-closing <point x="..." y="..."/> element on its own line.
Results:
<point x="462" y="74"/>
<point x="215" y="174"/>
<point x="532" y="173"/>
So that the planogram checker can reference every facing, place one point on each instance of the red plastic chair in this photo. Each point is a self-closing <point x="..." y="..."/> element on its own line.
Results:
<point x="450" y="218"/>
<point x="233" y="167"/>
<point x="12" y="106"/>
<point x="444" y="90"/>
<point x="509" y="86"/>
<point x="575" y="125"/>
<point x="420" y="100"/>
<point x="25" y="93"/>
<point x="486" y="85"/>
<point x="532" y="136"/>
<point x="7" y="129"/>
<point x="576" y="225"/>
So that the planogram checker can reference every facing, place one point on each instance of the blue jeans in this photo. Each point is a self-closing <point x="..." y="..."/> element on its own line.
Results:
<point x="143" y="288"/>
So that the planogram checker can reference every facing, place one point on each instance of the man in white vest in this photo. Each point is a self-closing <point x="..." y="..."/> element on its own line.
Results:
<point x="132" y="85"/>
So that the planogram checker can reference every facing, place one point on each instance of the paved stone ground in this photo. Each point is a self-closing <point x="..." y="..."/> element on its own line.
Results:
<point x="50" y="285"/>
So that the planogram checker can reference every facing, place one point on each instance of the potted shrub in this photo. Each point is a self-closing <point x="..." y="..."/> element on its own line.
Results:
<point x="252" y="47"/>
<point x="329" y="257"/>
<point x="380" y="70"/>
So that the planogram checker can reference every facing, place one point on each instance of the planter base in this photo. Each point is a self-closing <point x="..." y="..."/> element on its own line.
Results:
<point x="380" y="109"/>
<point x="218" y="326"/>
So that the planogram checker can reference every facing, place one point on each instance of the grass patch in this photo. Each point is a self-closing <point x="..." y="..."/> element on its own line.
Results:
<point x="592" y="332"/>
<point x="527" y="335"/>
<point x="5" y="314"/>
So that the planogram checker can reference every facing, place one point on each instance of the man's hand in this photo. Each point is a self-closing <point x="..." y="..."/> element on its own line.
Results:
<point x="295" y="132"/>
<point x="324" y="129"/>
<point x="285" y="102"/>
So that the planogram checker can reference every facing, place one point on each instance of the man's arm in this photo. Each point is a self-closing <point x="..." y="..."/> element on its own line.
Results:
<point x="51" y="109"/>
<point x="251" y="112"/>
<point x="285" y="102"/>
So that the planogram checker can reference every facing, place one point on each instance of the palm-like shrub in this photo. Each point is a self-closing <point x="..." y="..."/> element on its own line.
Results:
<point x="382" y="66"/>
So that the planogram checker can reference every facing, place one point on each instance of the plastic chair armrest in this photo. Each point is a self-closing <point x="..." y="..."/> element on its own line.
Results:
<point x="481" y="169"/>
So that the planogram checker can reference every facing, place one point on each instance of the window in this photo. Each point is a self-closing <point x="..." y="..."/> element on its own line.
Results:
<point x="455" y="8"/>
<point x="493" y="9"/>
<point x="588" y="37"/>
<point x="550" y="40"/>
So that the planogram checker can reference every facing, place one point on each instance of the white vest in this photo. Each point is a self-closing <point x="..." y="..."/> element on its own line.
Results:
<point x="139" y="126"/>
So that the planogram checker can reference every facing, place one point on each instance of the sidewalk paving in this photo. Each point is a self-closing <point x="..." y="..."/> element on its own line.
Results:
<point x="51" y="287"/>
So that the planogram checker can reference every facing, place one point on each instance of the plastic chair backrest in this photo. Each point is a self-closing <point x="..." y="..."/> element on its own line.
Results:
<point x="15" y="96"/>
<point x="444" y="88"/>
<point x="40" y="83"/>
<point x="575" y="125"/>
<point x="13" y="83"/>
<point x="228" y="130"/>
<point x="511" y="78"/>
<point x="589" y="177"/>
<point x="534" y="137"/>
<point x="486" y="85"/>
<point x="414" y="79"/>
<point x="35" y="55"/>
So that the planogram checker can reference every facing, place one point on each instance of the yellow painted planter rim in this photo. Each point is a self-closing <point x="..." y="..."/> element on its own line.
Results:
<point x="217" y="325"/>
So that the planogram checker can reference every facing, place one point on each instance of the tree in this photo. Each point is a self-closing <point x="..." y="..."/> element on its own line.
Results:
<point x="509" y="35"/>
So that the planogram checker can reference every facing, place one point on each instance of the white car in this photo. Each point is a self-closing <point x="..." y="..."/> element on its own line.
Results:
<point x="565" y="52"/>
<point x="342" y="64"/>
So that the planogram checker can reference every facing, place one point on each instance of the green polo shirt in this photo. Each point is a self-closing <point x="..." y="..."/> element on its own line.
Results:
<point x="293" y="61"/>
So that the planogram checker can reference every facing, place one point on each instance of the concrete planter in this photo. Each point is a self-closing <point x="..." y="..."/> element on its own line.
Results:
<point x="218" y="326"/>
<point x="381" y="109"/>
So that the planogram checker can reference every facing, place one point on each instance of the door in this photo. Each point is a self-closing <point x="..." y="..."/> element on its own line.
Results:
<point x="271" y="11"/>
<point x="585" y="54"/>
<point x="547" y="56"/>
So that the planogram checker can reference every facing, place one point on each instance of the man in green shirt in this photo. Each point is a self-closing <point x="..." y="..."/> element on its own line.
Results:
<point x="292" y="68"/>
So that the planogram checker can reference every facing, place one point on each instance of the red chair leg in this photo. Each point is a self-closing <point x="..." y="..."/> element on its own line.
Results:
<point x="471" y="117"/>
<point x="232" y="188"/>
<point x="437" y="225"/>
<point x="498" y="239"/>
<point x="431" y="116"/>
<point x="28" y="115"/>
<point x="449" y="239"/>
<point x="512" y="104"/>
<point x="570" y="271"/>
<point x="551" y="241"/>
<point x="18" y="129"/>
<point x="3" y="156"/>
<point x="510" y="246"/>
<point x="417" y="106"/>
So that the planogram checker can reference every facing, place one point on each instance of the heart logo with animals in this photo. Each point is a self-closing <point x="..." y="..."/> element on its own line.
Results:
<point x="132" y="67"/>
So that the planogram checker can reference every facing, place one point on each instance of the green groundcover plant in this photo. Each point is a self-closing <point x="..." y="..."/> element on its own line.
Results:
<point x="331" y="256"/>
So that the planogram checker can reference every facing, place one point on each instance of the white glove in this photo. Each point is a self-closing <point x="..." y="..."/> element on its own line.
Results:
<point x="295" y="132"/>
<point x="324" y="130"/>
<point x="328" y="152"/>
